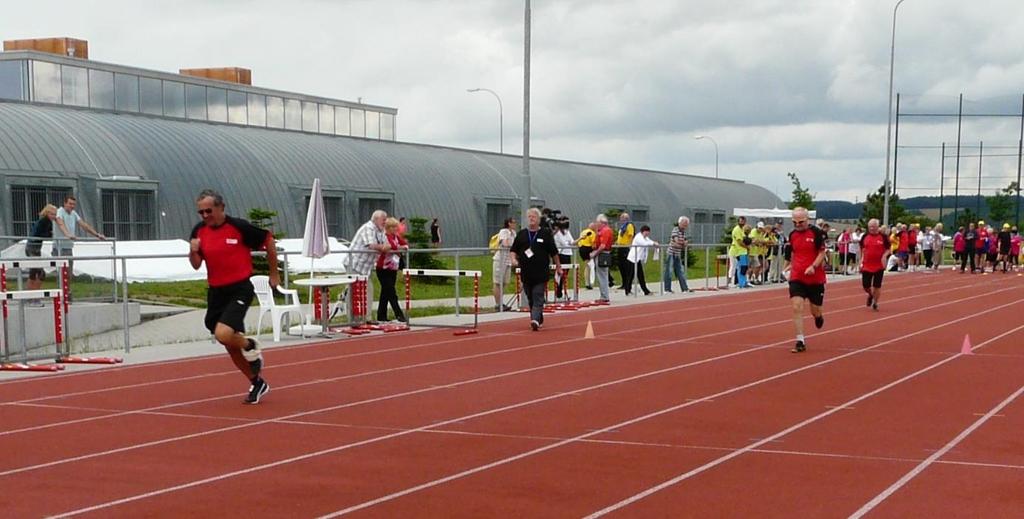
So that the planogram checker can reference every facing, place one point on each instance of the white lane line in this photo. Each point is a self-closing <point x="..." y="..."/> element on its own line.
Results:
<point x="641" y="495"/>
<point x="636" y="497"/>
<point x="877" y="500"/>
<point x="495" y="411"/>
<point x="767" y="293"/>
<point x="455" y="359"/>
<point x="379" y="352"/>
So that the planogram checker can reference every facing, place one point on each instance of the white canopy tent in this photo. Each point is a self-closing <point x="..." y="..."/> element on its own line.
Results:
<point x="769" y="213"/>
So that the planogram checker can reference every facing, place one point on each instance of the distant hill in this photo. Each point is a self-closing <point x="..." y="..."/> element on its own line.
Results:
<point x="842" y="210"/>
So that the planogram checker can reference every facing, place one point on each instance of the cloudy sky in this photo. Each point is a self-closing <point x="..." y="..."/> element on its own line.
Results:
<point x="781" y="85"/>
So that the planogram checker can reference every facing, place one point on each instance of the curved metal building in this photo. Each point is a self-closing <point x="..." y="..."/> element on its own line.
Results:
<point x="136" y="177"/>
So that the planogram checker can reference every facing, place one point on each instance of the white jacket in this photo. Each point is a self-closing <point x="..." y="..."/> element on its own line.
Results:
<point x="640" y="249"/>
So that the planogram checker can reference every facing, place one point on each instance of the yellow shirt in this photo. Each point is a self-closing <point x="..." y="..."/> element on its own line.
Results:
<point x="737" y="248"/>
<point x="756" y="236"/>
<point x="626" y="237"/>
<point x="587" y="238"/>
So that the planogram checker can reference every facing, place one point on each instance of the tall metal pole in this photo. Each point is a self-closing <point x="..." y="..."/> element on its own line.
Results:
<point x="708" y="137"/>
<point x="888" y="133"/>
<point x="956" y="188"/>
<point x="977" y="201"/>
<point x="896" y="148"/>
<point x="501" y="117"/>
<point x="526" y="109"/>
<point x="1020" y="145"/>
<point x="942" y="179"/>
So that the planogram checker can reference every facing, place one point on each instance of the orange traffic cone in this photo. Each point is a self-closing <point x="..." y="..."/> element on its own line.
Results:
<point x="966" y="348"/>
<point x="590" y="331"/>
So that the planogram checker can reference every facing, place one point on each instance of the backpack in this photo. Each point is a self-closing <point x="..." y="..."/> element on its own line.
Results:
<point x="494" y="243"/>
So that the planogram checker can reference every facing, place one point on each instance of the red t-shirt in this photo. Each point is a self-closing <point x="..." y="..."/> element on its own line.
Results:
<point x="979" y="244"/>
<point x="604" y="237"/>
<point x="873" y="248"/>
<point x="395" y="241"/>
<point x="806" y="246"/>
<point x="227" y="250"/>
<point x="912" y="238"/>
<point x="904" y="241"/>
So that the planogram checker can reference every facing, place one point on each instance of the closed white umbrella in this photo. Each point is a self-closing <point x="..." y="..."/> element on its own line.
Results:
<point x="314" y="238"/>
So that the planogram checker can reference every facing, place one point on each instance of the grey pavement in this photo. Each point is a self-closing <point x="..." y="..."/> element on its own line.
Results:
<point x="169" y="333"/>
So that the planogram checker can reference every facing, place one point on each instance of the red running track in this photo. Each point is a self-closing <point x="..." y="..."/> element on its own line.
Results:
<point x="682" y="408"/>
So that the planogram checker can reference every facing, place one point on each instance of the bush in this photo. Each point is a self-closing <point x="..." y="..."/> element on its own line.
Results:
<point x="419" y="238"/>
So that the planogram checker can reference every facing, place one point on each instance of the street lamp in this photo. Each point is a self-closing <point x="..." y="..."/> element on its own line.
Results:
<point x="708" y="137"/>
<point x="501" y="117"/>
<point x="888" y="132"/>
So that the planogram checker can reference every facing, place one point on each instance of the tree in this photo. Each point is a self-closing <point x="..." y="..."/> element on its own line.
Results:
<point x="874" y="206"/>
<point x="419" y="238"/>
<point x="264" y="219"/>
<point x="965" y="218"/>
<point x="1001" y="205"/>
<point x="801" y="196"/>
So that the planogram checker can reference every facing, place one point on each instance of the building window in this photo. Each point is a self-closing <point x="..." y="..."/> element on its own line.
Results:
<point x="101" y="89"/>
<point x="358" y="125"/>
<point x="640" y="215"/>
<point x="372" y="125"/>
<point x="12" y="80"/>
<point x="174" y="99"/>
<point x="496" y="215"/>
<point x="151" y="96"/>
<point x="237" y="107"/>
<point x="292" y="114"/>
<point x="387" y="127"/>
<point x="217" y="101"/>
<point x="341" y="120"/>
<point x="310" y="117"/>
<point x="75" y="85"/>
<point x="327" y="119"/>
<point x="128" y="214"/>
<point x="275" y="112"/>
<point x="126" y="92"/>
<point x="195" y="102"/>
<point x="718" y="218"/>
<point x="26" y="202"/>
<point x="701" y="217"/>
<point x="257" y="110"/>
<point x="45" y="82"/>
<point x="368" y="205"/>
<point x="333" y="209"/>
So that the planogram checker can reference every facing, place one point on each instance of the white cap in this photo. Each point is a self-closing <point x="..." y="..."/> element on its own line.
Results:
<point x="760" y="225"/>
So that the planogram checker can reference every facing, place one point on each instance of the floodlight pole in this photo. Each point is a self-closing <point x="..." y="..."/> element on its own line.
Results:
<point x="501" y="117"/>
<point x="888" y="134"/>
<point x="526" y="108"/>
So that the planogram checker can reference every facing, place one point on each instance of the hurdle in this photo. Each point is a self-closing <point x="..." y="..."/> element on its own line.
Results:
<point x="475" y="274"/>
<point x="550" y="285"/>
<point x="60" y="311"/>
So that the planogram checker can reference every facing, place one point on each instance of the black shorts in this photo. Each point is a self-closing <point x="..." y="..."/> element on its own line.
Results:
<point x="872" y="279"/>
<point x="228" y="305"/>
<point x="585" y="253"/>
<point x="1005" y="251"/>
<point x="813" y="293"/>
<point x="991" y="257"/>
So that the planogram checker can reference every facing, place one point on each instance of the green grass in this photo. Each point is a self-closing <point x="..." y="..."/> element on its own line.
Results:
<point x="193" y="293"/>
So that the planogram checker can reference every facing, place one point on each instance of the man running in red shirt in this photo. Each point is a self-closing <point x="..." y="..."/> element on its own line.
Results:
<point x="874" y="249"/>
<point x="806" y="277"/>
<point x="225" y="244"/>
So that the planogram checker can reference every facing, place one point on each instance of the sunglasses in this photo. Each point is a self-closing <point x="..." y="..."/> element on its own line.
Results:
<point x="798" y="222"/>
<point x="205" y="211"/>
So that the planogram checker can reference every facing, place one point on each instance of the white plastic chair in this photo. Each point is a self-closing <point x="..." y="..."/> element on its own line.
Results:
<point x="276" y="311"/>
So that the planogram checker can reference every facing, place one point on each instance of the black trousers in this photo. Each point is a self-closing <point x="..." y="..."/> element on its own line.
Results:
<point x="388" y="295"/>
<point x="560" y="287"/>
<point x="963" y="259"/>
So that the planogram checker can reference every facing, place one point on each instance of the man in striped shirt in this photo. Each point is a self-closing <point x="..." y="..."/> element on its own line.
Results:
<point x="369" y="238"/>
<point x="675" y="261"/>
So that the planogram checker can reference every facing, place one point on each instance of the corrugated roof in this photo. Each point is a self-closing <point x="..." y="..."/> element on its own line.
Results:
<point x="255" y="167"/>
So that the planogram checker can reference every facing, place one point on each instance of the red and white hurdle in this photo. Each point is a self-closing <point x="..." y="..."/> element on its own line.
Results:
<point x="475" y="274"/>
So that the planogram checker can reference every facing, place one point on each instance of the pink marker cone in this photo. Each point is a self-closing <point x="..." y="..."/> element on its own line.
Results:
<point x="966" y="348"/>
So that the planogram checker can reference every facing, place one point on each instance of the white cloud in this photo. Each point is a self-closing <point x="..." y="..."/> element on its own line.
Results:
<point x="781" y="85"/>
